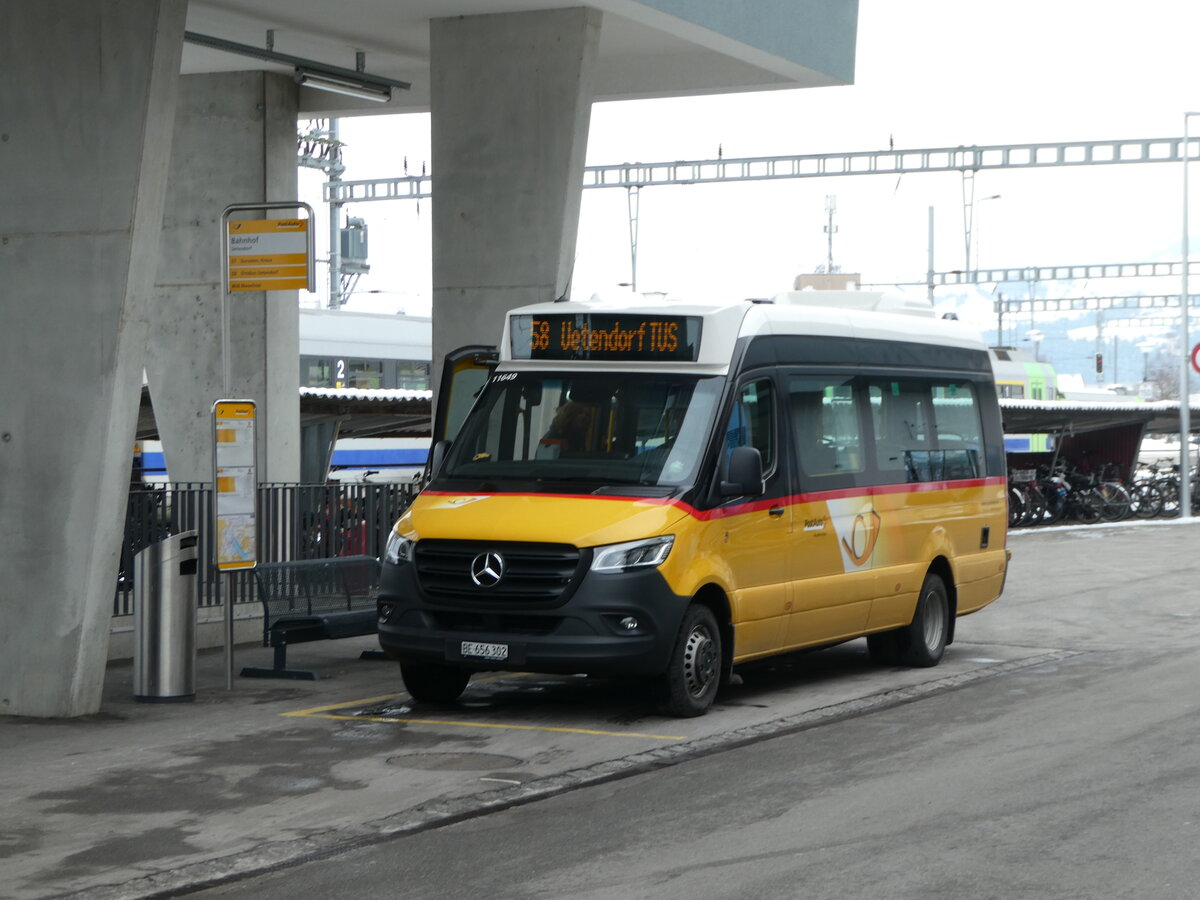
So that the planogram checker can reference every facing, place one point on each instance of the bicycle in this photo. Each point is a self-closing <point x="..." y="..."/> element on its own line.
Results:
<point x="1111" y="489"/>
<point x="1026" y="503"/>
<point x="1145" y="495"/>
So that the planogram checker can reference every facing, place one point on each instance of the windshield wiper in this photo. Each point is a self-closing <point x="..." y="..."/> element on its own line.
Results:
<point x="636" y="490"/>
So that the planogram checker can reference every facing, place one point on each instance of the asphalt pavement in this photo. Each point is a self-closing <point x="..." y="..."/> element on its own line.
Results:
<point x="155" y="799"/>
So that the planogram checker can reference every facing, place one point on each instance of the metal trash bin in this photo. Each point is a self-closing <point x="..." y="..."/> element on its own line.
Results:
<point x="164" y="620"/>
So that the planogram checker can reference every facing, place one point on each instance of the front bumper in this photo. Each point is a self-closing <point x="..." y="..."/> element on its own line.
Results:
<point x="583" y="633"/>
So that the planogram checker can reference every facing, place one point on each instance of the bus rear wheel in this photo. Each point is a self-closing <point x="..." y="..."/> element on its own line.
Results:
<point x="434" y="683"/>
<point x="922" y="642"/>
<point x="694" y="671"/>
<point x="884" y="648"/>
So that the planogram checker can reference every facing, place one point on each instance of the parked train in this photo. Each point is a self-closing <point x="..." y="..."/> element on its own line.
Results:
<point x="1021" y="376"/>
<point x="344" y="349"/>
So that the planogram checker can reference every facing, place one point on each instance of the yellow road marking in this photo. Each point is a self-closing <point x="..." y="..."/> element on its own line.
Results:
<point x="321" y="709"/>
<point x="500" y="725"/>
<point x="324" y="712"/>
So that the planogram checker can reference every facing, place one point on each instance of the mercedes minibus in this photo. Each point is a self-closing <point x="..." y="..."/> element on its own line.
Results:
<point x="662" y="489"/>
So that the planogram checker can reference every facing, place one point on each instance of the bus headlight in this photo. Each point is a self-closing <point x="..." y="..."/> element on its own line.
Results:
<point x="399" y="549"/>
<point x="633" y="554"/>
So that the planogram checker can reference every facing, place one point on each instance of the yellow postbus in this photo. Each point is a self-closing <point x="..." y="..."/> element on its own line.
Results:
<point x="651" y="487"/>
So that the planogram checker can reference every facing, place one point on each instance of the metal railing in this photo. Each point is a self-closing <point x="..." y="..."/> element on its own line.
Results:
<point x="295" y="521"/>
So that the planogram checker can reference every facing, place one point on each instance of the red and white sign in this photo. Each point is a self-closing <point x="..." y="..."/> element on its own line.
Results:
<point x="1196" y="357"/>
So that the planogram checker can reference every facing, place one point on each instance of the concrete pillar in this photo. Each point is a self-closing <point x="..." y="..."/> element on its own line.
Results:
<point x="235" y="142"/>
<point x="87" y="96"/>
<point x="316" y="448"/>
<point x="511" y="98"/>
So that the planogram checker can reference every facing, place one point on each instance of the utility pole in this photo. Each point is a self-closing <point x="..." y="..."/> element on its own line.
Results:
<point x="335" y="220"/>
<point x="929" y="271"/>
<point x="633" y="199"/>
<point x="320" y="148"/>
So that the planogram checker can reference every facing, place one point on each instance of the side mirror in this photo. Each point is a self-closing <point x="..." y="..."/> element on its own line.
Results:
<point x="532" y="394"/>
<point x="437" y="456"/>
<point x="745" y="474"/>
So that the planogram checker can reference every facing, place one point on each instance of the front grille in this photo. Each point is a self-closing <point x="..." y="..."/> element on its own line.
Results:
<point x="534" y="574"/>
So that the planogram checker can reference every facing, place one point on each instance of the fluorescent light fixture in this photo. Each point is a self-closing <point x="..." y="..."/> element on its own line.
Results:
<point x="310" y="73"/>
<point x="349" y="87"/>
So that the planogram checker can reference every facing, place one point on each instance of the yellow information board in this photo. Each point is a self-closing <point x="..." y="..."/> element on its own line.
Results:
<point x="267" y="254"/>
<point x="235" y="483"/>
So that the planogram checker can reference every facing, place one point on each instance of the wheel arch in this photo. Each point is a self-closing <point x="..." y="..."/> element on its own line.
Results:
<point x="717" y="601"/>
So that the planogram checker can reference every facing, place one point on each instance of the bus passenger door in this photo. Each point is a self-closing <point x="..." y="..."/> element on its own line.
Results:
<point x="836" y="528"/>
<point x="464" y="373"/>
<point x="752" y="534"/>
<point x="904" y="456"/>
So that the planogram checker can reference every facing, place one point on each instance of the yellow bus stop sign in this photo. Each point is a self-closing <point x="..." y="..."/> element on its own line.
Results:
<point x="267" y="254"/>
<point x="235" y="484"/>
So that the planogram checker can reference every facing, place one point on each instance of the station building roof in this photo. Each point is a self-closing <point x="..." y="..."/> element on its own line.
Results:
<point x="364" y="413"/>
<point x="647" y="48"/>
<point x="1078" y="416"/>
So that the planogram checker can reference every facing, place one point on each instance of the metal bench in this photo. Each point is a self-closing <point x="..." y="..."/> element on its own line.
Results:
<point x="314" y="600"/>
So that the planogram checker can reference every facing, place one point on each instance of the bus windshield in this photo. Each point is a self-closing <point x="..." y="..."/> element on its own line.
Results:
<point x="601" y="428"/>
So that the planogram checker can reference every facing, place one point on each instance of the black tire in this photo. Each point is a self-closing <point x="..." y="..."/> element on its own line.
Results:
<point x="1035" y="505"/>
<point x="1168" y="489"/>
<point x="1056" y="503"/>
<point x="1147" y="500"/>
<point x="884" y="648"/>
<point x="922" y="643"/>
<point x="1088" y="506"/>
<point x="1016" y="507"/>
<point x="693" y="675"/>
<point x="434" y="683"/>
<point x="1116" y="501"/>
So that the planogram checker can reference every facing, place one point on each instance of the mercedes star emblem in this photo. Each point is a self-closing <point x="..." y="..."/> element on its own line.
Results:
<point x="487" y="569"/>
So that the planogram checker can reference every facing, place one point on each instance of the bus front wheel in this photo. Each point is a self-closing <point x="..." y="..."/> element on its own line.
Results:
<point x="694" y="672"/>
<point x="434" y="683"/>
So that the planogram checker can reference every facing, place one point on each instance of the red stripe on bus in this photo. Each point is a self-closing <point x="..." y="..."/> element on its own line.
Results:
<point x="739" y="509"/>
<point x="652" y="501"/>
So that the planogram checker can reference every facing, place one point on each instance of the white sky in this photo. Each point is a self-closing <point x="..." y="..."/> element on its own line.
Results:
<point x="929" y="73"/>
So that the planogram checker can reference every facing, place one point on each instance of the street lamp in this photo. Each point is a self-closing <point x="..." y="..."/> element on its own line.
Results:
<point x="1185" y="425"/>
<point x="976" y="230"/>
<point x="1146" y="347"/>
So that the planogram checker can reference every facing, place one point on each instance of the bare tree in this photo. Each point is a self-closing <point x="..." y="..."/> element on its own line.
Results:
<point x="1162" y="371"/>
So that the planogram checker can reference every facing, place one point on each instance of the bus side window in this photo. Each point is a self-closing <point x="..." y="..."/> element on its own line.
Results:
<point x="958" y="428"/>
<point x="899" y="411"/>
<point x="824" y="414"/>
<point x="752" y="422"/>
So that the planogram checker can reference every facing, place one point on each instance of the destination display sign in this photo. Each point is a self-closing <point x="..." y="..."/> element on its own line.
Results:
<point x="629" y="337"/>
